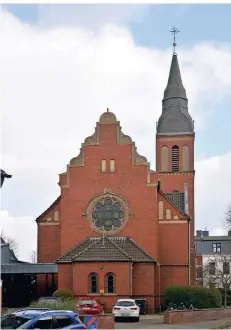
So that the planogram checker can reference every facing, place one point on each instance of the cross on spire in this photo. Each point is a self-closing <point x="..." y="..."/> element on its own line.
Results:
<point x="174" y="31"/>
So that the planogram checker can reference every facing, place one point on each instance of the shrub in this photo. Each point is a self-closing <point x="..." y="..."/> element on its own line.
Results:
<point x="68" y="304"/>
<point x="63" y="294"/>
<point x="199" y="297"/>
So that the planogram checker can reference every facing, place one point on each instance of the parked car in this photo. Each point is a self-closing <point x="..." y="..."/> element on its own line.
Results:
<point x="126" y="308"/>
<point x="48" y="300"/>
<point x="89" y="306"/>
<point x="37" y="319"/>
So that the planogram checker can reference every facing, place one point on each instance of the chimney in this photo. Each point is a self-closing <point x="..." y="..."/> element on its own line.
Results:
<point x="205" y="233"/>
<point x="199" y="233"/>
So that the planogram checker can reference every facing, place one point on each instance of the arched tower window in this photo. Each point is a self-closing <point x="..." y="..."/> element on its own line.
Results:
<point x="185" y="158"/>
<point x="93" y="283"/>
<point x="175" y="158"/>
<point x="164" y="159"/>
<point x="110" y="283"/>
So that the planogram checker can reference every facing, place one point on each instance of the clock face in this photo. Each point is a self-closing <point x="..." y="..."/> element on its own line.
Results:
<point x="108" y="213"/>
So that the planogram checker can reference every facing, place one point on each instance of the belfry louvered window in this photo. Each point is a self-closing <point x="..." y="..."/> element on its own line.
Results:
<point x="175" y="158"/>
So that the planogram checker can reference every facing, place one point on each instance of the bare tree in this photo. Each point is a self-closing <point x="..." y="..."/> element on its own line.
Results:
<point x="228" y="217"/>
<point x="11" y="241"/>
<point x="33" y="257"/>
<point x="217" y="273"/>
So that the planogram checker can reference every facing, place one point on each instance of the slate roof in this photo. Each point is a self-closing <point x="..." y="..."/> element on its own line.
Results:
<point x="175" y="117"/>
<point x="107" y="249"/>
<point x="178" y="200"/>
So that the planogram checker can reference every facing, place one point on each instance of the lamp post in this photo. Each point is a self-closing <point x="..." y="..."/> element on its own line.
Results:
<point x="4" y="176"/>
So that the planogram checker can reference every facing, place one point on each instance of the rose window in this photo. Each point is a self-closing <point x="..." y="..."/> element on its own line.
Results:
<point x="108" y="214"/>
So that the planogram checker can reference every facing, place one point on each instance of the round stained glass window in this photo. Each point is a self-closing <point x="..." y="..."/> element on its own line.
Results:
<point x="108" y="213"/>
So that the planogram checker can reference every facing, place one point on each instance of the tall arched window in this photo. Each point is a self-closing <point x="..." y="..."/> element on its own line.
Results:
<point x="175" y="158"/>
<point x="164" y="159"/>
<point x="93" y="283"/>
<point x="110" y="283"/>
<point x="185" y="158"/>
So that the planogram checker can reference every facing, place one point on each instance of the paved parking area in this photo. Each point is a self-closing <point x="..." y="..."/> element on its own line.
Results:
<point x="156" y="322"/>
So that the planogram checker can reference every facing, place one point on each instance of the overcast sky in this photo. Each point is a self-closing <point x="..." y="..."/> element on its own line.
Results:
<point x="63" y="65"/>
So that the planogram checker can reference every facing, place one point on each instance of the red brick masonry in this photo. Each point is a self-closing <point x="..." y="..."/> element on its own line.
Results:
<point x="106" y="322"/>
<point x="198" y="315"/>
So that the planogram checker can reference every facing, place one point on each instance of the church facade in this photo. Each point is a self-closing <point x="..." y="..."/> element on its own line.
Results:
<point x="118" y="228"/>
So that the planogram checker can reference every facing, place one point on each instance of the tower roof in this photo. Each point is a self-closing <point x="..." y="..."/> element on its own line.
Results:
<point x="175" y="118"/>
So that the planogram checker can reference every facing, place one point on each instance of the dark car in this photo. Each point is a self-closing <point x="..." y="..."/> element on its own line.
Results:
<point x="37" y="319"/>
<point x="48" y="300"/>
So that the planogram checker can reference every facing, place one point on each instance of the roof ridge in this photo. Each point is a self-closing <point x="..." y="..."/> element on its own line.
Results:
<point x="139" y="247"/>
<point x="80" y="244"/>
<point x="119" y="248"/>
<point x="84" y="250"/>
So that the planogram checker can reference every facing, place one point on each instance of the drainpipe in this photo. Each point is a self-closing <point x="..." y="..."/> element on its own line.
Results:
<point x="73" y="278"/>
<point x="189" y="254"/>
<point x="158" y="264"/>
<point x="131" y="282"/>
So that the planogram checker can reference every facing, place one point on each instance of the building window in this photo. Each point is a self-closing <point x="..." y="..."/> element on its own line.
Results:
<point x="175" y="159"/>
<point x="110" y="283"/>
<point x="164" y="159"/>
<point x="112" y="165"/>
<point x="226" y="268"/>
<point x="108" y="214"/>
<point x="93" y="283"/>
<point x="216" y="247"/>
<point x="104" y="165"/>
<point x="212" y="268"/>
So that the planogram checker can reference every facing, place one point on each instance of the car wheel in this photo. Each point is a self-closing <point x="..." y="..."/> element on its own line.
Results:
<point x="137" y="319"/>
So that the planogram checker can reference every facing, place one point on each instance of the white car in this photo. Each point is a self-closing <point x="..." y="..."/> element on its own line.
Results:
<point x="126" y="308"/>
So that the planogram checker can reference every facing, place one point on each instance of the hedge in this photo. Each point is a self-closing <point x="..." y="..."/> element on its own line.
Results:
<point x="63" y="294"/>
<point x="199" y="297"/>
<point x="68" y="304"/>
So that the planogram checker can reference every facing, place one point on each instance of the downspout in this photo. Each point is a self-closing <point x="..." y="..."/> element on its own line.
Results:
<point x="131" y="279"/>
<point x="159" y="287"/>
<point x="73" y="278"/>
<point x="189" y="254"/>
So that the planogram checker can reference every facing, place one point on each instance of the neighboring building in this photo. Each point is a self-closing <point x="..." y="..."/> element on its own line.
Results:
<point x="19" y="279"/>
<point x="118" y="228"/>
<point x="213" y="252"/>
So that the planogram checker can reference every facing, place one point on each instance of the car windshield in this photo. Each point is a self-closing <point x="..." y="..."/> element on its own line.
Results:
<point x="87" y="302"/>
<point x="125" y="303"/>
<point x="12" y="321"/>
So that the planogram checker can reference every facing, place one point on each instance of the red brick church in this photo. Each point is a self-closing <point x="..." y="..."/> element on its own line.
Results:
<point x="120" y="229"/>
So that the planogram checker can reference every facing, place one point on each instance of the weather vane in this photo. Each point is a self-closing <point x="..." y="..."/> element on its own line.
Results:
<point x="174" y="31"/>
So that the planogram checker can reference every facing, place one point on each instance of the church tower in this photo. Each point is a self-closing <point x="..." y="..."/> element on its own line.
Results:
<point x="175" y="150"/>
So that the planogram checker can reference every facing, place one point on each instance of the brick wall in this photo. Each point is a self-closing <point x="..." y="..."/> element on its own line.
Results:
<point x="199" y="315"/>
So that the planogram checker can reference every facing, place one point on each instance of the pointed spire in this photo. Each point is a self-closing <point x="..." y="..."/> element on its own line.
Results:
<point x="175" y="118"/>
<point x="175" y="86"/>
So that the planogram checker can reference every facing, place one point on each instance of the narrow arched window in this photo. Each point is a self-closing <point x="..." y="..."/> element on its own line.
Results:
<point x="93" y="283"/>
<point x="175" y="158"/>
<point x="185" y="158"/>
<point x="164" y="159"/>
<point x="110" y="283"/>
